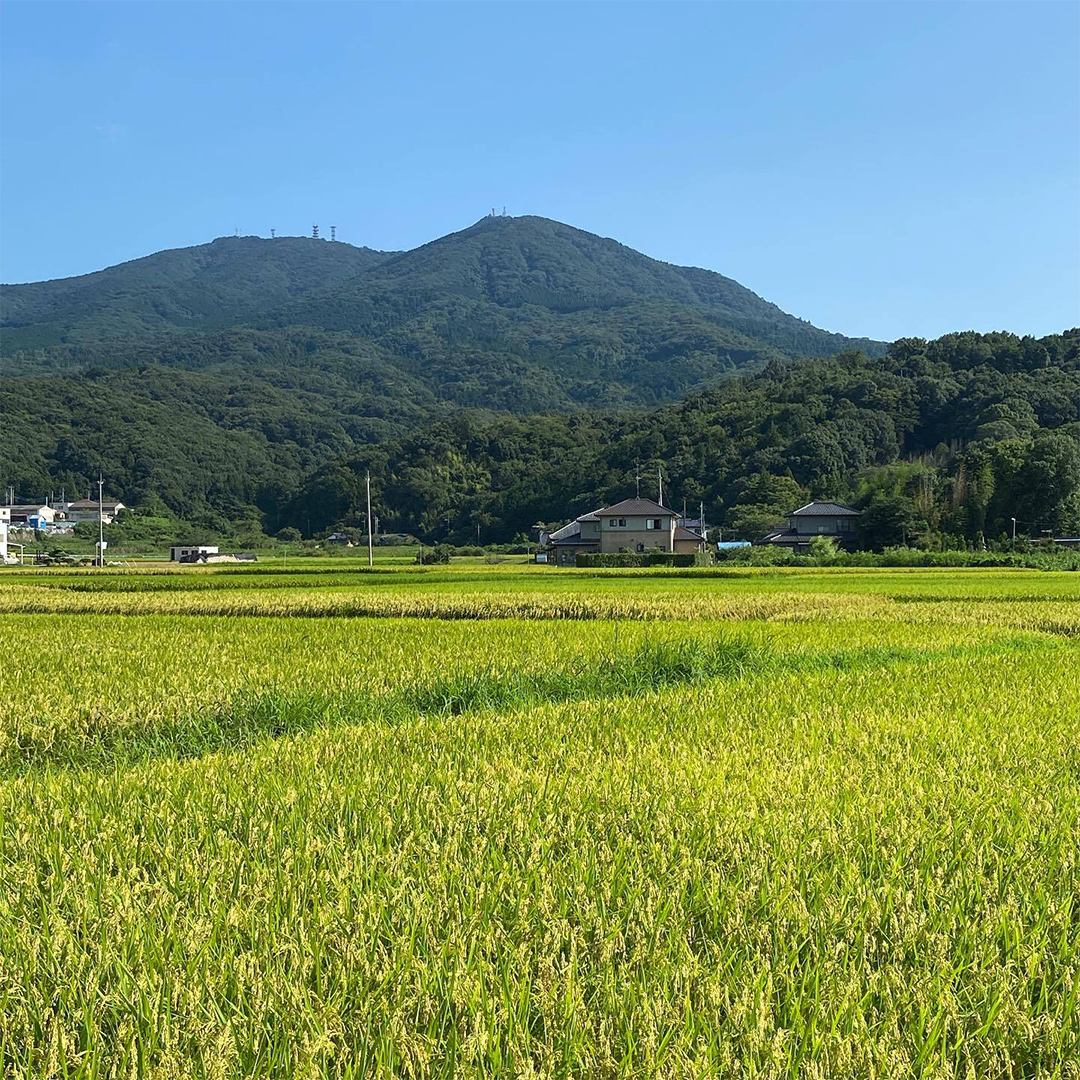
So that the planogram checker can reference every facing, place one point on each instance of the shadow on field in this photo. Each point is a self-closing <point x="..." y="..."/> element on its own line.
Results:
<point x="97" y="741"/>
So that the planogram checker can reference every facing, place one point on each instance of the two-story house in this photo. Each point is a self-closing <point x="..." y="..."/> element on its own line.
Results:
<point x="631" y="525"/>
<point x="87" y="510"/>
<point x="834" y="520"/>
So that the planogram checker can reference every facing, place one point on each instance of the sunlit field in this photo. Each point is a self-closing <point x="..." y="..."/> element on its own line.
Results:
<point x="511" y="820"/>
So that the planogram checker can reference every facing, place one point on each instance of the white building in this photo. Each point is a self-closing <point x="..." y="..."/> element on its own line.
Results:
<point x="190" y="552"/>
<point x="33" y="515"/>
<point x="5" y="518"/>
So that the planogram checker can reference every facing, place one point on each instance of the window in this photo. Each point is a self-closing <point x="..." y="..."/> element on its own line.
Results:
<point x="617" y="524"/>
<point x="653" y="523"/>
<point x="843" y="525"/>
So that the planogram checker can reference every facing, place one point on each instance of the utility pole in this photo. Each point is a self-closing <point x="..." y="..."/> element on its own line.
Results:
<point x="660" y="478"/>
<point x="1014" y="532"/>
<point x="100" y="521"/>
<point x="370" y="546"/>
<point x="701" y="517"/>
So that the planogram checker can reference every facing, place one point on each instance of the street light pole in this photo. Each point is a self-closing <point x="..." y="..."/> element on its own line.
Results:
<point x="370" y="553"/>
<point x="100" y="521"/>
<point x="1014" y="532"/>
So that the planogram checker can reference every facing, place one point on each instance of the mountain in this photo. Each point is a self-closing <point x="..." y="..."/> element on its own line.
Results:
<point x="571" y="298"/>
<point x="215" y="374"/>
<point x="223" y="283"/>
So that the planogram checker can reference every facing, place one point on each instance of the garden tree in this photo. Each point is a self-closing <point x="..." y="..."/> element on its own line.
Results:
<point x="1048" y="480"/>
<point x="762" y="503"/>
<point x="889" y="518"/>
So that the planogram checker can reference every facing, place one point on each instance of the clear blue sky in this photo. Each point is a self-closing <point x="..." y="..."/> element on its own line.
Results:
<point x="880" y="169"/>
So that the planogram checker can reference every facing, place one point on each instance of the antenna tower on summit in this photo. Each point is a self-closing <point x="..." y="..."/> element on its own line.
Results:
<point x="333" y="232"/>
<point x="314" y="232"/>
<point x="273" y="234"/>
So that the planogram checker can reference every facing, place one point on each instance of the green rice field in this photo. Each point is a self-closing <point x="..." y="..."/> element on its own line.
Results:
<point x="513" y="821"/>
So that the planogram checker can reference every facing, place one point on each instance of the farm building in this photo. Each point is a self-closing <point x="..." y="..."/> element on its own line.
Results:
<point x="204" y="558"/>
<point x="31" y="515"/>
<point x="184" y="552"/>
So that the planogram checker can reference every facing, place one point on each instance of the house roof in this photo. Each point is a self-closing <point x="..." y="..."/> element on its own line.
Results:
<point x="636" y="508"/>
<point x="571" y="535"/>
<point x="687" y="534"/>
<point x="824" y="509"/>
<point x="779" y="536"/>
<point x="91" y="504"/>
<point x="23" y="508"/>
<point x="572" y="528"/>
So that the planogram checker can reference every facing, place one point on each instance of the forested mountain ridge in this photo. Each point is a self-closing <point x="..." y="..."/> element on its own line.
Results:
<point x="512" y="313"/>
<point x="325" y="360"/>
<point x="494" y="279"/>
<point x="228" y="281"/>
<point x="952" y="438"/>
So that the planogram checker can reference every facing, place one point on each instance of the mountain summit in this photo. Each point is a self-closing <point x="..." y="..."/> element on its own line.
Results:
<point x="503" y="274"/>
<point x="524" y="287"/>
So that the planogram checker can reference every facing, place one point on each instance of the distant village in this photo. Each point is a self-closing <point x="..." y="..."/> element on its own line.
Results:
<point x="639" y="526"/>
<point x="626" y="531"/>
<point x="58" y="518"/>
<point x="635" y="531"/>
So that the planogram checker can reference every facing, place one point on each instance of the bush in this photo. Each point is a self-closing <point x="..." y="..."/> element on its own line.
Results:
<point x="434" y="556"/>
<point x="635" y="558"/>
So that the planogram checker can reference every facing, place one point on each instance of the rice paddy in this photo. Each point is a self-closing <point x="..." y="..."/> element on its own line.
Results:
<point x="512" y="821"/>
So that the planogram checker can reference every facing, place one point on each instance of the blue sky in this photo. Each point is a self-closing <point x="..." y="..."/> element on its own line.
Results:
<point x="880" y="169"/>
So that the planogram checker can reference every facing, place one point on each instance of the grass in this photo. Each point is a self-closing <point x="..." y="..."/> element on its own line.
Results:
<point x="799" y="825"/>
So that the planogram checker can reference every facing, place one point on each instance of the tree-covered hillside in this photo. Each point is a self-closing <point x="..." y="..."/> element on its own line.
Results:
<point x="946" y="438"/>
<point x="229" y="281"/>
<point x="513" y="313"/>
<point x="569" y="295"/>
<point x="953" y="436"/>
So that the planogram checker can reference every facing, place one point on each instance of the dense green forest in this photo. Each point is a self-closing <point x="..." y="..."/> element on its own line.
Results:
<point x="937" y="442"/>
<point x="515" y="372"/>
<point x="223" y="283"/>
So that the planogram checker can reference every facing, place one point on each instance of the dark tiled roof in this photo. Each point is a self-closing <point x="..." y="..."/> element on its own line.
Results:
<point x="824" y="509"/>
<point x="574" y="541"/>
<point x="636" y="508"/>
<point x="687" y="534"/>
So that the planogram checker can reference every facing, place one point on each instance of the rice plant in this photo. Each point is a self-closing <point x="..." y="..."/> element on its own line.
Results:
<point x="818" y="825"/>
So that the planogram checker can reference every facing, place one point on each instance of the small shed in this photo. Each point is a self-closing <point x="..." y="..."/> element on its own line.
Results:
<point x="190" y="552"/>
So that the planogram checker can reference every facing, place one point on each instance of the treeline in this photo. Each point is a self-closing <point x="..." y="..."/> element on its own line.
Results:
<point x="940" y="443"/>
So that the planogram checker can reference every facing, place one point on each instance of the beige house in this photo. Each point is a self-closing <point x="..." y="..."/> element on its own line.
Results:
<point x="87" y="510"/>
<point x="631" y="525"/>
